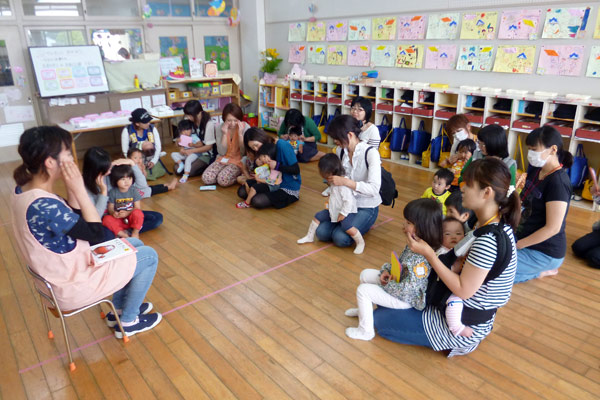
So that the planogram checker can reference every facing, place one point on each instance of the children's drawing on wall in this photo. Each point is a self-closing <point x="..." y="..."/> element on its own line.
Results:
<point x="6" y="78"/>
<point x="479" y="25"/>
<point x="297" y="54"/>
<point x="216" y="48"/>
<point x="475" y="58"/>
<point x="297" y="32"/>
<point x="384" y="28"/>
<point x="317" y="54"/>
<point x="411" y="27"/>
<point x="359" y="29"/>
<point x="336" y="54"/>
<point x="519" y="24"/>
<point x="515" y="59"/>
<point x="383" y="55"/>
<point x="118" y="44"/>
<point x="443" y="26"/>
<point x="597" y="30"/>
<point x="337" y="31"/>
<point x="566" y="23"/>
<point x="358" y="55"/>
<point x="172" y="46"/>
<point x="593" y="69"/>
<point x="560" y="60"/>
<point x="440" y="57"/>
<point x="315" y="31"/>
<point x="409" y="56"/>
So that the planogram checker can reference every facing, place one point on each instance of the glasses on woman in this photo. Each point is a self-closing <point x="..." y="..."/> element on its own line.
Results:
<point x="357" y="109"/>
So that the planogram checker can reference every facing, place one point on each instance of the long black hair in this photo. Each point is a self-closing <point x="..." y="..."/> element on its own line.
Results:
<point x="96" y="161"/>
<point x="426" y="215"/>
<point x="340" y="126"/>
<point x="294" y="117"/>
<point x="494" y="139"/>
<point x="193" y="108"/>
<point x="548" y="136"/>
<point x="256" y="135"/>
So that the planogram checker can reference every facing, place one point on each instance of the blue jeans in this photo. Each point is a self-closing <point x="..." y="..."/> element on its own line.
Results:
<point x="333" y="231"/>
<point x="531" y="262"/>
<point x="152" y="220"/>
<point x="130" y="297"/>
<point x="401" y="326"/>
<point x="347" y="223"/>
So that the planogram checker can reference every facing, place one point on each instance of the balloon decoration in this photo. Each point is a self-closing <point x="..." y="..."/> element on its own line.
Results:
<point x="146" y="12"/>
<point x="312" y="8"/>
<point x="234" y="17"/>
<point x="216" y="8"/>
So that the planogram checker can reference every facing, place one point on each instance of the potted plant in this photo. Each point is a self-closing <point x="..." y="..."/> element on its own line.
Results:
<point x="270" y="64"/>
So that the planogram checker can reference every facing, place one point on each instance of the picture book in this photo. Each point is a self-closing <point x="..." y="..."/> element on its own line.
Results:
<point x="396" y="269"/>
<point x="111" y="250"/>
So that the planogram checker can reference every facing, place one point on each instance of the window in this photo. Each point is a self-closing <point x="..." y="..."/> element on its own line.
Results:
<point x="51" y="8"/>
<point x="6" y="78"/>
<point x="170" y="8"/>
<point x="118" y="44"/>
<point x="112" y="8"/>
<point x="56" y="37"/>
<point x="210" y="8"/>
<point x="5" y="9"/>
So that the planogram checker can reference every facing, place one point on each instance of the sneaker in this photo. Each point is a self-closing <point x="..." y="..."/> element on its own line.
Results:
<point x="242" y="204"/>
<point x="145" y="308"/>
<point x="144" y="323"/>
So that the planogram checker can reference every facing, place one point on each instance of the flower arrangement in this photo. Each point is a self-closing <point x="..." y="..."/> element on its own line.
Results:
<point x="270" y="61"/>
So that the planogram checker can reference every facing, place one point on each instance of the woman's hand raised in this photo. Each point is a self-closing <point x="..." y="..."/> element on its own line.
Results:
<point x="72" y="177"/>
<point x="419" y="246"/>
<point x="101" y="184"/>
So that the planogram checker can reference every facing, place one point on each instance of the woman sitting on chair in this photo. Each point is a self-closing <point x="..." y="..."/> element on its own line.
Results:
<point x="54" y="235"/>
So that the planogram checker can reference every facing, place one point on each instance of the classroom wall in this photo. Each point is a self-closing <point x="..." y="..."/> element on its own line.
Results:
<point x="279" y="14"/>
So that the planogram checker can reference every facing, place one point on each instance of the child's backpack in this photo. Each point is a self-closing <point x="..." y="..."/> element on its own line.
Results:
<point x="387" y="190"/>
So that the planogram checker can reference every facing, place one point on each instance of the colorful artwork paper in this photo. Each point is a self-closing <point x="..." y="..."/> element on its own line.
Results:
<point x="384" y="28"/>
<point x="515" y="59"/>
<point x="383" y="55"/>
<point x="337" y="31"/>
<point x="475" y="58"/>
<point x="597" y="30"/>
<point x="359" y="29"/>
<point x="412" y="27"/>
<point x="297" y="53"/>
<point x="565" y="23"/>
<point x="173" y="46"/>
<point x="409" y="56"/>
<point x="593" y="68"/>
<point x="561" y="60"/>
<point x="297" y="32"/>
<point x="479" y="25"/>
<point x="217" y="48"/>
<point x="519" y="24"/>
<point x="358" y="55"/>
<point x="336" y="54"/>
<point x="317" y="53"/>
<point x="440" y="56"/>
<point x="443" y="26"/>
<point x="315" y="31"/>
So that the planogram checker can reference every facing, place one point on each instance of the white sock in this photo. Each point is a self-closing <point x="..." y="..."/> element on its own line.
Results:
<point x="454" y="308"/>
<point x="360" y="243"/>
<point x="310" y="236"/>
<point x="357" y="333"/>
<point x="351" y="312"/>
<point x="131" y="323"/>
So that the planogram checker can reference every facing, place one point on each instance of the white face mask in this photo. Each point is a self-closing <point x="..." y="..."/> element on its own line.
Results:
<point x="535" y="158"/>
<point x="461" y="135"/>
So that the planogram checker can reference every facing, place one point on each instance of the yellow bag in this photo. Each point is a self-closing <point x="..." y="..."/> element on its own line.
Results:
<point x="426" y="157"/>
<point x="321" y="127"/>
<point x="385" y="150"/>
<point x="521" y="174"/>
<point x="444" y="154"/>
<point x="586" y="192"/>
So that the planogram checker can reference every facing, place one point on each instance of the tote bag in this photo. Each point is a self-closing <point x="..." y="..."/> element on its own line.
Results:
<point x="419" y="140"/>
<point x="578" y="170"/>
<point x="439" y="143"/>
<point x="400" y="137"/>
<point x="426" y="157"/>
<point x="384" y="129"/>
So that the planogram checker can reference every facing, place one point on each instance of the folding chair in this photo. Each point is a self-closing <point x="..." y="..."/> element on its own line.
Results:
<point x="58" y="313"/>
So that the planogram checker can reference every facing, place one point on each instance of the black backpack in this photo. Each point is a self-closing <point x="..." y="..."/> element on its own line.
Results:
<point x="438" y="293"/>
<point x="387" y="190"/>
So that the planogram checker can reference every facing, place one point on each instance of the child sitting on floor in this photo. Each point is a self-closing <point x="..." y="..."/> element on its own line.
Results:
<point x="341" y="206"/>
<point x="140" y="182"/>
<point x="464" y="152"/>
<point x="423" y="219"/>
<point x="124" y="210"/>
<point x="187" y="142"/>
<point x="439" y="190"/>
<point x="265" y="180"/>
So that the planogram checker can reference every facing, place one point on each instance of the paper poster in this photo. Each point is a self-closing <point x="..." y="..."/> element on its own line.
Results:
<point x="297" y="32"/>
<point x="359" y="29"/>
<point x="593" y="68"/>
<point x="10" y="134"/>
<point x="443" y="26"/>
<point x="336" y="54"/>
<point x="383" y="55"/>
<point x="14" y="114"/>
<point x="315" y="31"/>
<point x="597" y="30"/>
<point x="337" y="31"/>
<point x="384" y="28"/>
<point x="515" y="59"/>
<point x="130" y="104"/>
<point x="316" y="53"/>
<point x="519" y="24"/>
<point x="412" y="27"/>
<point x="173" y="46"/>
<point x="475" y="58"/>
<point x="409" y="56"/>
<point x="440" y="56"/>
<point x="479" y="25"/>
<point x="297" y="53"/>
<point x="560" y="60"/>
<point x="159" y="100"/>
<point x="216" y="48"/>
<point x="565" y="23"/>
<point x="358" y="55"/>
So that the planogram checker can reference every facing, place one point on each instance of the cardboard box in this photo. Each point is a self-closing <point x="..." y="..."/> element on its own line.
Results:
<point x="186" y="94"/>
<point x="226" y="89"/>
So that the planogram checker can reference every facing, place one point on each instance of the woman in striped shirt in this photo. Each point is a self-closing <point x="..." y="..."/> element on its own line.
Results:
<point x="489" y="194"/>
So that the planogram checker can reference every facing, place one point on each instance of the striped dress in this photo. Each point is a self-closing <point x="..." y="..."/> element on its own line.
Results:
<point x="493" y="294"/>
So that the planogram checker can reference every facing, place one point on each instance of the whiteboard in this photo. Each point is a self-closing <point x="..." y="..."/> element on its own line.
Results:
<point x="68" y="70"/>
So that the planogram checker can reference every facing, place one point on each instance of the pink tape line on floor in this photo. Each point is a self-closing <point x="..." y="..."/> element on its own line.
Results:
<point x="250" y="278"/>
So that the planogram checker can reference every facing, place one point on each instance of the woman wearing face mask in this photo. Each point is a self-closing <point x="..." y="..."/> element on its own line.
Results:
<point x="458" y="126"/>
<point x="542" y="243"/>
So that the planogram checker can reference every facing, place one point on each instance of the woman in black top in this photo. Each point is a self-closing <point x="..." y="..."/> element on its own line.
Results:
<point x="542" y="243"/>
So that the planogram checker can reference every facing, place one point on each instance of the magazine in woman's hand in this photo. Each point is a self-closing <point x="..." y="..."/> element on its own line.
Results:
<point x="112" y="249"/>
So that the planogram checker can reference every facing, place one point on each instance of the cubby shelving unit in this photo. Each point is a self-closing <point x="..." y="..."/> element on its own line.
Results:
<point x="273" y="102"/>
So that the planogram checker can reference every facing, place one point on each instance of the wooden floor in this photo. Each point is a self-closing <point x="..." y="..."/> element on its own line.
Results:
<point x="250" y="314"/>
